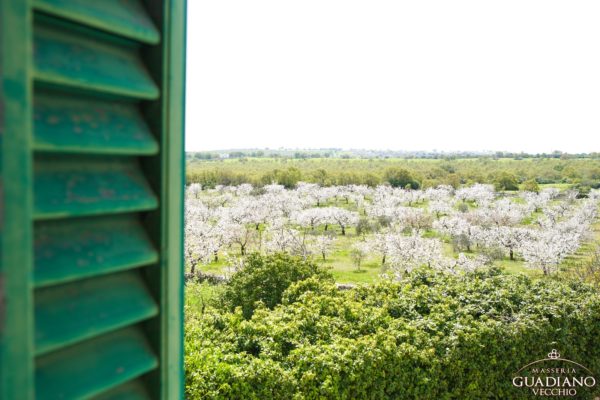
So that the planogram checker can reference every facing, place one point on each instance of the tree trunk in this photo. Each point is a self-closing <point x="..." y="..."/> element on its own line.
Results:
<point x="512" y="255"/>
<point x="343" y="230"/>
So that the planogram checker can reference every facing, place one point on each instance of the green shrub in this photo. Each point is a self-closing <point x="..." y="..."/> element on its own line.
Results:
<point x="531" y="185"/>
<point x="431" y="335"/>
<point x="265" y="278"/>
<point x="400" y="177"/>
<point x="506" y="181"/>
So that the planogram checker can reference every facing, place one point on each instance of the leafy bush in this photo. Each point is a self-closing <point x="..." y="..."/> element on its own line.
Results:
<point x="431" y="335"/>
<point x="265" y="278"/>
<point x="506" y="181"/>
<point x="531" y="185"/>
<point x="400" y="177"/>
<point x="365" y="226"/>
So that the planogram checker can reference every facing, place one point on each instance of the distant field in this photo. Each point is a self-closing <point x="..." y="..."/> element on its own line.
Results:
<point x="580" y="172"/>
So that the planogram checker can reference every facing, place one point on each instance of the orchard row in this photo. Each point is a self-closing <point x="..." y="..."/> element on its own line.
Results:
<point x="404" y="228"/>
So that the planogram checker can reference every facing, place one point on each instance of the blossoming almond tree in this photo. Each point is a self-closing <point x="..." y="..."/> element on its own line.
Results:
<point x="342" y="217"/>
<point x="409" y="252"/>
<point x="510" y="238"/>
<point x="323" y="244"/>
<point x="543" y="228"/>
<point x="548" y="248"/>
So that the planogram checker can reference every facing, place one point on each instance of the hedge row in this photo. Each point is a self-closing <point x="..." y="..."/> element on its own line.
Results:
<point x="430" y="336"/>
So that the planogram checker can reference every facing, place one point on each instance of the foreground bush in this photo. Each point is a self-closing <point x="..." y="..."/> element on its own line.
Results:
<point x="429" y="336"/>
<point x="265" y="278"/>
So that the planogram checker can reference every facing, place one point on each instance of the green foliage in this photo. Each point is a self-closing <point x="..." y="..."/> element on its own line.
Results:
<point x="357" y="256"/>
<point x="200" y="295"/>
<point x="365" y="226"/>
<point x="429" y="336"/>
<point x="288" y="177"/>
<point x="338" y="171"/>
<point x="400" y="177"/>
<point x="506" y="181"/>
<point x="531" y="185"/>
<point x="264" y="278"/>
<point x="588" y="269"/>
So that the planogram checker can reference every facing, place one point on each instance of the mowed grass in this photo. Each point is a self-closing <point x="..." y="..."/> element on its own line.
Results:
<point x="343" y="268"/>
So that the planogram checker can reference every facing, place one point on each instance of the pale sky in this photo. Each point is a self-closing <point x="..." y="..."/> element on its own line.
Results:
<point x="515" y="75"/>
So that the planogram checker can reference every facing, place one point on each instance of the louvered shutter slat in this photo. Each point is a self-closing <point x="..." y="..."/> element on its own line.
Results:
<point x="134" y="390"/>
<point x="89" y="186"/>
<point x="81" y="248"/>
<point x="85" y="62"/>
<point x="78" y="124"/>
<point x="123" y="17"/>
<point x="89" y="368"/>
<point x="70" y="313"/>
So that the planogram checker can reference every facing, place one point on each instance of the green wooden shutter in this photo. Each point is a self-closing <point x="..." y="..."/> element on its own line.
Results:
<point x="91" y="182"/>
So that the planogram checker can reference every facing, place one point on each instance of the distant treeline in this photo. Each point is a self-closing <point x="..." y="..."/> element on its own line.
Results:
<point x="368" y="154"/>
<point x="505" y="174"/>
<point x="209" y="155"/>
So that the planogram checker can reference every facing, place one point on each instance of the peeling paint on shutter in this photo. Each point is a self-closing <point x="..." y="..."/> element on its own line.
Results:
<point x="2" y="303"/>
<point x="91" y="243"/>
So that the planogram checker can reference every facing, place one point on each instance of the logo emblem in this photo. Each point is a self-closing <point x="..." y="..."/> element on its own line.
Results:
<point x="554" y="376"/>
<point x="553" y="354"/>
